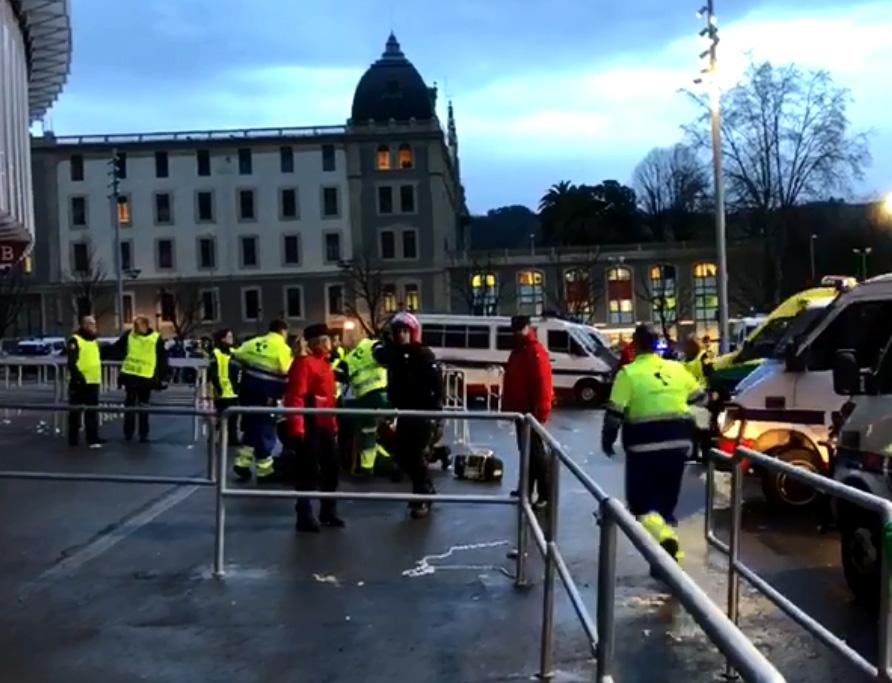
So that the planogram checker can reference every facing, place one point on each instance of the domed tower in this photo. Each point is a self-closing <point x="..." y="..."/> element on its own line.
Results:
<point x="405" y="192"/>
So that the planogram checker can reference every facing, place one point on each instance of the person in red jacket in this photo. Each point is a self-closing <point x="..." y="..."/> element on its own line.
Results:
<point x="311" y="384"/>
<point x="527" y="388"/>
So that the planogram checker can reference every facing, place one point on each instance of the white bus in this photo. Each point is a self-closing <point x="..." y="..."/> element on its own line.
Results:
<point x="581" y="361"/>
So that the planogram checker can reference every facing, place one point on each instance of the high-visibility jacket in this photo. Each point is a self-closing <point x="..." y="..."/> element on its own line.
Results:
<point x="88" y="363"/>
<point x="366" y="373"/>
<point x="337" y="359"/>
<point x="265" y="362"/>
<point x="223" y="378"/>
<point x="697" y="366"/>
<point x="141" y="359"/>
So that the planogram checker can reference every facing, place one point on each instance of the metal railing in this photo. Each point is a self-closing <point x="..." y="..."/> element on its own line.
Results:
<point x="882" y="671"/>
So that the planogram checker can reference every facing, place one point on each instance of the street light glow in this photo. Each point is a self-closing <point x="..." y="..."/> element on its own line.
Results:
<point x="887" y="204"/>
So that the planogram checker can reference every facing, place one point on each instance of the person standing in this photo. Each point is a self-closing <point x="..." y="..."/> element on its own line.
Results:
<point x="85" y="374"/>
<point x="313" y="438"/>
<point x="413" y="383"/>
<point x="223" y="374"/>
<point x="144" y="369"/>
<point x="650" y="402"/>
<point x="265" y="361"/>
<point x="366" y="380"/>
<point x="697" y="361"/>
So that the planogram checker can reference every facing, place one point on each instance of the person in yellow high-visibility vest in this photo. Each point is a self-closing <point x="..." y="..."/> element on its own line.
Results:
<point x="84" y="379"/>
<point x="144" y="369"/>
<point x="650" y="400"/>
<point x="223" y="376"/>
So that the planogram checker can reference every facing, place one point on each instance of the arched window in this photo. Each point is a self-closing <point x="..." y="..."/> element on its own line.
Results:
<point x="530" y="292"/>
<point x="382" y="158"/>
<point x="619" y="295"/>
<point x="405" y="157"/>
<point x="578" y="293"/>
<point x="484" y="293"/>
<point x="663" y="290"/>
<point x="706" y="299"/>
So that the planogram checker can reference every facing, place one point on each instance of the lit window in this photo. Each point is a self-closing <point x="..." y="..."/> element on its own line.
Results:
<point x="389" y="299"/>
<point x="706" y="299"/>
<point x="382" y="158"/>
<point x="124" y="210"/>
<point x="530" y="292"/>
<point x="619" y="295"/>
<point x="664" y="295"/>
<point x="578" y="293"/>
<point x="412" y="297"/>
<point x="405" y="156"/>
<point x="485" y="299"/>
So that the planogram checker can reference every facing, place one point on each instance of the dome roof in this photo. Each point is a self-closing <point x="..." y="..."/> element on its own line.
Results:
<point x="391" y="88"/>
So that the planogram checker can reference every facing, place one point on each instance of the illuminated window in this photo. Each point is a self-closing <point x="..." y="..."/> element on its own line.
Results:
<point x="530" y="292"/>
<point x="578" y="292"/>
<point x="389" y="299"/>
<point x="706" y="298"/>
<point x="619" y="295"/>
<point x="484" y="290"/>
<point x="412" y="297"/>
<point x="664" y="300"/>
<point x="124" y="210"/>
<point x="382" y="158"/>
<point x="405" y="156"/>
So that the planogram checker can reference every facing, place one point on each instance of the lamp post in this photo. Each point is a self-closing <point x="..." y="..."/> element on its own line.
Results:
<point x="116" y="225"/>
<point x="863" y="253"/>
<point x="811" y="255"/>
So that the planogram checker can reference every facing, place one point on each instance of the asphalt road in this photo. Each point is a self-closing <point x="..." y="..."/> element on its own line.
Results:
<point x="112" y="582"/>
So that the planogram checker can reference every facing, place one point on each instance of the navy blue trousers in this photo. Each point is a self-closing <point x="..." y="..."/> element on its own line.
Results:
<point x="653" y="481"/>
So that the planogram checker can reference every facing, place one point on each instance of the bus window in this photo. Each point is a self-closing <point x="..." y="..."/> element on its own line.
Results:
<point x="455" y="337"/>
<point x="432" y="335"/>
<point x="478" y="337"/>
<point x="504" y="339"/>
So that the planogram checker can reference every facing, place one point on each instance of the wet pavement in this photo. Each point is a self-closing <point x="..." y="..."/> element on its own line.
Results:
<point x="112" y="582"/>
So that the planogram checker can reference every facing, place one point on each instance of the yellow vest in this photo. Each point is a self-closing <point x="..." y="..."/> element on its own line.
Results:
<point x="141" y="357"/>
<point x="88" y="360"/>
<point x="226" y="389"/>
<point x="268" y="353"/>
<point x="695" y="367"/>
<point x="366" y="374"/>
<point x="653" y="387"/>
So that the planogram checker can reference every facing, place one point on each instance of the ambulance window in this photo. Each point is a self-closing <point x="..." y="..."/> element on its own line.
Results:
<point x="864" y="327"/>
<point x="558" y="340"/>
<point x="884" y="375"/>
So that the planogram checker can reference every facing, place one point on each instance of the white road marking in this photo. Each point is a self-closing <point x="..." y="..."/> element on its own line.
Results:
<point x="424" y="567"/>
<point x="327" y="578"/>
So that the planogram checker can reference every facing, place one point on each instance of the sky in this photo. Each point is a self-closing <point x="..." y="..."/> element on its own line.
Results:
<point x="574" y="90"/>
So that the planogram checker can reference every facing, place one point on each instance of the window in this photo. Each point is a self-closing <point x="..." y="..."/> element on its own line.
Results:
<point x="121" y="165"/>
<point x="484" y="294"/>
<point x="164" y="254"/>
<point x="161" y="166"/>
<point x="405" y="156"/>
<point x="81" y="257"/>
<point x="245" y="163"/>
<point x="412" y="297"/>
<point x="203" y="160"/>
<point x="209" y="306"/>
<point x="456" y="336"/>
<point x="291" y="250"/>
<point x="332" y="247"/>
<point x="706" y="299"/>
<point x="246" y="205"/>
<point x="205" y="204"/>
<point x="207" y="253"/>
<point x="410" y="244"/>
<point x="77" y="167"/>
<point x="578" y="293"/>
<point x="251" y="307"/>
<point x="286" y="159"/>
<point x="84" y="306"/>
<point x="168" y="306"/>
<point x="560" y="341"/>
<point x="385" y="199"/>
<point x="128" y="308"/>
<point x="162" y="208"/>
<point x="504" y="338"/>
<point x="249" y="252"/>
<point x="124" y="210"/>
<point x="294" y="302"/>
<point x="664" y="300"/>
<point x="388" y="244"/>
<point x="79" y="212"/>
<point x="330" y="204"/>
<point x="328" y="158"/>
<point x="864" y="327"/>
<point x="407" y="198"/>
<point x="335" y="300"/>
<point x="530" y="292"/>
<point x="288" y="204"/>
<point x="619" y="295"/>
<point x="126" y="255"/>
<point x="389" y="296"/>
<point x="382" y="158"/>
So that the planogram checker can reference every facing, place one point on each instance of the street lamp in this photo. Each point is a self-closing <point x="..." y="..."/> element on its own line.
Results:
<point x="887" y="205"/>
<point x="863" y="253"/>
<point x="811" y="254"/>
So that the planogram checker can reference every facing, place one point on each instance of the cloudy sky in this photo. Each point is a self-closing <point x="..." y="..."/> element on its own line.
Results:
<point x="543" y="91"/>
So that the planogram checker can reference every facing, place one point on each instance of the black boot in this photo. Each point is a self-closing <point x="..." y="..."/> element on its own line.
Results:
<point x="328" y="515"/>
<point x="306" y="521"/>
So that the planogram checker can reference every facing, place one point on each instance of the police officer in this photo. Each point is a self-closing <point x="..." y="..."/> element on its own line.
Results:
<point x="85" y="373"/>
<point x="650" y="400"/>
<point x="265" y="361"/>
<point x="144" y="369"/>
<point x="223" y="374"/>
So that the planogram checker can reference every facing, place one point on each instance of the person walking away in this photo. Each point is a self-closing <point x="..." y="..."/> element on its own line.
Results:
<point x="265" y="361"/>
<point x="413" y="383"/>
<point x="527" y="388"/>
<point x="144" y="369"/>
<point x="311" y="384"/>
<point x="223" y="375"/>
<point x="85" y="375"/>
<point x="650" y="401"/>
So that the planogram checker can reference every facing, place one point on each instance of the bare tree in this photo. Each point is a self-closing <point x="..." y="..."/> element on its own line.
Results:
<point x="479" y="286"/>
<point x="666" y="299"/>
<point x="574" y="291"/>
<point x="670" y="183"/>
<point x="89" y="289"/>
<point x="13" y="287"/>
<point x="366" y="294"/>
<point x="182" y="307"/>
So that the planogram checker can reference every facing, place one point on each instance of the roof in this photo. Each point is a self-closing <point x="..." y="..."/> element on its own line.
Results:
<point x="391" y="89"/>
<point x="47" y="28"/>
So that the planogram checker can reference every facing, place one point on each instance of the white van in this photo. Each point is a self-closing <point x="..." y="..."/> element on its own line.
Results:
<point x="786" y="406"/>
<point x="582" y="363"/>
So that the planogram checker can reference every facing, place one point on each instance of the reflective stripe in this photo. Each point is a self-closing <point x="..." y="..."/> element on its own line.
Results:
<point x="697" y="397"/>
<point x="660" y="418"/>
<point x="267" y="376"/>
<point x="672" y="445"/>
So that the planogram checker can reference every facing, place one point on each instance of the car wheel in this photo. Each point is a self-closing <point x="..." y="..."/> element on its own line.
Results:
<point x="860" y="549"/>
<point x="784" y="491"/>
<point x="589" y="393"/>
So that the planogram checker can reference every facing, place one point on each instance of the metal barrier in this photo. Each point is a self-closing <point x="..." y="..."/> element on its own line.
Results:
<point x="882" y="671"/>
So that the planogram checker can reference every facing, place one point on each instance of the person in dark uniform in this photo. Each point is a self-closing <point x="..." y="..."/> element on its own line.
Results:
<point x="144" y="369"/>
<point x="85" y="374"/>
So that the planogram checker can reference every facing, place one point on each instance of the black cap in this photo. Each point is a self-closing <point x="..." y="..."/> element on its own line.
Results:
<point x="318" y="330"/>
<point x="518" y="322"/>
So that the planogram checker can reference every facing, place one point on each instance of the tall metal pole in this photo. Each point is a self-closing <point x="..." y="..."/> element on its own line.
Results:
<point x="116" y="223"/>
<point x="811" y="255"/>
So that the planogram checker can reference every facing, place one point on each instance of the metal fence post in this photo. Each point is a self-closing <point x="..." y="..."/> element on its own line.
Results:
<point x="734" y="547"/>
<point x="546" y="668"/>
<point x="523" y="496"/>
<point x="606" y="593"/>
<point x="710" y="495"/>
<point x="884" y="660"/>
<point x="212" y="447"/>
<point x="220" y="527"/>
